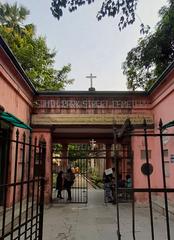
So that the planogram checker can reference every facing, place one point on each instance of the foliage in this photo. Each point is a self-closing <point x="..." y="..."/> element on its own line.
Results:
<point x="54" y="178"/>
<point x="154" y="52"/>
<point x="57" y="148"/>
<point x="77" y="151"/>
<point x="95" y="178"/>
<point x="13" y="16"/>
<point x="32" y="52"/>
<point x="124" y="8"/>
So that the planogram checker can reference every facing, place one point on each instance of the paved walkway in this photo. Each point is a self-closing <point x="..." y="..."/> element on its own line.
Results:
<point x="97" y="221"/>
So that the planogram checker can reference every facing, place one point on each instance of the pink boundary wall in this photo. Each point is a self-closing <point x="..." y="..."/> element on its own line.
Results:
<point x="162" y="103"/>
<point x="16" y="97"/>
<point x="162" y="107"/>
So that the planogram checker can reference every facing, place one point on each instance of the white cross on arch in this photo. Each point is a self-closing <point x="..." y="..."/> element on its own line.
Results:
<point x="93" y="144"/>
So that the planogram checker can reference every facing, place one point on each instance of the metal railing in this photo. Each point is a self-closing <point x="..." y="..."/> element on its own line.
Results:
<point x="151" y="168"/>
<point x="21" y="187"/>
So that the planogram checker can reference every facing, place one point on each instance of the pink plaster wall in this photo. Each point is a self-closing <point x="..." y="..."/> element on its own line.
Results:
<point x="46" y="135"/>
<point x="16" y="97"/>
<point x="139" y="179"/>
<point x="162" y="107"/>
<point x="162" y="102"/>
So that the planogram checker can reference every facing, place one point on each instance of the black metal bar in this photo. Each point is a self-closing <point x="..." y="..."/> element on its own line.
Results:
<point x="132" y="193"/>
<point x="79" y="179"/>
<point x="116" y="185"/>
<point x="80" y="183"/>
<point x="147" y="190"/>
<point x="20" y="230"/>
<point x="89" y="158"/>
<point x="28" y="184"/>
<point x="18" y="183"/>
<point x="14" y="141"/>
<point x="42" y="186"/>
<point x="143" y="190"/>
<point x="21" y="187"/>
<point x="151" y="134"/>
<point x="38" y="186"/>
<point x="17" y="228"/>
<point x="15" y="179"/>
<point x="133" y="215"/>
<point x="5" y="180"/>
<point x="86" y="181"/>
<point x="33" y="188"/>
<point x="164" y="181"/>
<point x="148" y="180"/>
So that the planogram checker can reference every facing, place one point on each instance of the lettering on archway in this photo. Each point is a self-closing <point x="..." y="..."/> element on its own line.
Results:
<point x="91" y="109"/>
<point x="104" y="103"/>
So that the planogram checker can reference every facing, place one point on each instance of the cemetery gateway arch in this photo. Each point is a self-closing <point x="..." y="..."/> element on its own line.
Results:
<point x="67" y="117"/>
<point x="77" y="117"/>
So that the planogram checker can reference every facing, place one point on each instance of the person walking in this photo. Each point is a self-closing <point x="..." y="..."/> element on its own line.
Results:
<point x="128" y="181"/>
<point x="59" y="184"/>
<point x="107" y="180"/>
<point x="69" y="181"/>
<point x="128" y="185"/>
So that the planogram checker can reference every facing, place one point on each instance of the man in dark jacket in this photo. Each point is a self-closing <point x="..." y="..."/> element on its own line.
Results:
<point x="69" y="181"/>
<point x="59" y="184"/>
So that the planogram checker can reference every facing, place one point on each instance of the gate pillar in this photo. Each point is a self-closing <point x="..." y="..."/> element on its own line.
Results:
<point x="108" y="156"/>
<point x="46" y="135"/>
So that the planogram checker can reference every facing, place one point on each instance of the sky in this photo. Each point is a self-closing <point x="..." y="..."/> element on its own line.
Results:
<point x="88" y="45"/>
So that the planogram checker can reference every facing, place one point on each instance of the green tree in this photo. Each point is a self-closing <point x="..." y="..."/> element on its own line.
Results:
<point x="32" y="52"/>
<point x="125" y="9"/>
<point x="154" y="52"/>
<point x="13" y="16"/>
<point x="78" y="151"/>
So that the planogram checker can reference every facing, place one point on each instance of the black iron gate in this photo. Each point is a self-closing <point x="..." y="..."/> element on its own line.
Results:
<point x="21" y="187"/>
<point x="123" y="171"/>
<point x="82" y="160"/>
<point x="78" y="165"/>
<point x="155" y="193"/>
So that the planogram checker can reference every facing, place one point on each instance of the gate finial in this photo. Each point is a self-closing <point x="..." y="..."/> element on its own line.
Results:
<point x="160" y="124"/>
<point x="145" y="124"/>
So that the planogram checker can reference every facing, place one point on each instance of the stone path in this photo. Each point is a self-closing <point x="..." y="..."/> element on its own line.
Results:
<point x="8" y="216"/>
<point x="97" y="221"/>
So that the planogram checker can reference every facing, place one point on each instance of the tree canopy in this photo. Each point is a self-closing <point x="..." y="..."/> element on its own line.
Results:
<point x="32" y="52"/>
<point x="12" y="16"/>
<point x="125" y="9"/>
<point x="154" y="52"/>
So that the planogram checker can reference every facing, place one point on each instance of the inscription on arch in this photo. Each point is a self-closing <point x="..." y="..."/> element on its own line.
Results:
<point x="84" y="103"/>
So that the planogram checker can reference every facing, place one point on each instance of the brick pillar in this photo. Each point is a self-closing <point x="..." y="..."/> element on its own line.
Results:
<point x="108" y="156"/>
